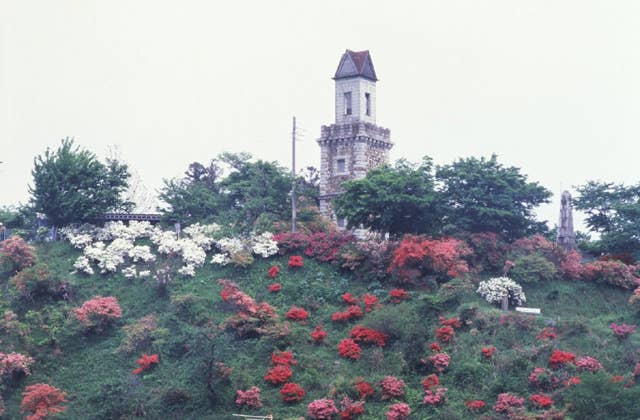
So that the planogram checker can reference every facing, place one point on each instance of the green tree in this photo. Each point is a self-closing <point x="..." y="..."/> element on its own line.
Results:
<point x="71" y="185"/>
<point x="481" y="195"/>
<point x="613" y="211"/>
<point x="393" y="199"/>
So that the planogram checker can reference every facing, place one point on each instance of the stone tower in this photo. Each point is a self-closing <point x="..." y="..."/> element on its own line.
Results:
<point x="566" y="236"/>
<point x="354" y="144"/>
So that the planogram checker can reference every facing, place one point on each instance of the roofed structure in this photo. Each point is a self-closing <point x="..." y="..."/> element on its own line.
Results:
<point x="354" y="64"/>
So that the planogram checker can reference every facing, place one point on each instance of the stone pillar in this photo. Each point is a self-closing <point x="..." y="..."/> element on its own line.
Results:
<point x="566" y="235"/>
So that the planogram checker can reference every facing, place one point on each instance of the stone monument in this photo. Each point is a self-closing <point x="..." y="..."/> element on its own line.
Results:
<point x="354" y="144"/>
<point x="566" y="235"/>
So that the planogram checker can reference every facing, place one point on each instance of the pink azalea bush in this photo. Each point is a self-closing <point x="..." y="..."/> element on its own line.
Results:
<point x="440" y="361"/>
<point x="588" y="364"/>
<point x="249" y="398"/>
<point x="507" y="402"/>
<point x="392" y="387"/>
<point x="400" y="411"/>
<point x="14" y="364"/>
<point x="436" y="397"/>
<point x="322" y="409"/>
<point x="98" y="312"/>
<point x="622" y="331"/>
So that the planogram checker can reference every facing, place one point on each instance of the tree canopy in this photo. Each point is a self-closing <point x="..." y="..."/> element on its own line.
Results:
<point x="71" y="185"/>
<point x="613" y="210"/>
<point x="482" y="195"/>
<point x="392" y="199"/>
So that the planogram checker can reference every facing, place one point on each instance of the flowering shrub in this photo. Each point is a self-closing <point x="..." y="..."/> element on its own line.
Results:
<point x="274" y="287"/>
<point x="436" y="397"/>
<point x="41" y="400"/>
<point x="145" y="362"/>
<point x="350" y="299"/>
<point x="430" y="381"/>
<point x="497" y="288"/>
<point x="352" y="312"/>
<point x="98" y="312"/>
<point x="278" y="375"/>
<point x="488" y="251"/>
<point x="445" y="334"/>
<point x="14" y="364"/>
<point x="475" y="405"/>
<point x="37" y="281"/>
<point x="273" y="272"/>
<point x="283" y="358"/>
<point x="295" y="261"/>
<point x="323" y="409"/>
<point x="263" y="244"/>
<point x="366" y="259"/>
<point x="440" y="361"/>
<point x="292" y="392"/>
<point x="543" y="378"/>
<point x="297" y="314"/>
<point x="541" y="400"/>
<point x="370" y="301"/>
<point x="547" y="333"/>
<point x="398" y="295"/>
<point x="559" y="358"/>
<point x="400" y="411"/>
<point x="488" y="352"/>
<point x="451" y="322"/>
<point x="574" y="380"/>
<point x="16" y="254"/>
<point x="320" y="245"/>
<point x="615" y="273"/>
<point x="249" y="398"/>
<point x="588" y="364"/>
<point x="392" y="387"/>
<point x="364" y="388"/>
<point x="435" y="348"/>
<point x="350" y="409"/>
<point x="571" y="267"/>
<point x="622" y="331"/>
<point x="138" y="334"/>
<point x="362" y="334"/>
<point x="318" y="334"/>
<point x="506" y="402"/>
<point x="442" y="257"/>
<point x="348" y="349"/>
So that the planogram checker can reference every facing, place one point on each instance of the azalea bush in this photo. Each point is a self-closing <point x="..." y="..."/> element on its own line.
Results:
<point x="318" y="334"/>
<point x="249" y="398"/>
<point x="98" y="313"/>
<point x="14" y="364"/>
<point x="615" y="273"/>
<point x="145" y="362"/>
<point x="349" y="349"/>
<point x="507" y="402"/>
<point x="496" y="289"/>
<point x="392" y="387"/>
<point x="622" y="331"/>
<point x="322" y="409"/>
<point x="16" y="254"/>
<point x="39" y="401"/>
<point x="278" y="374"/>
<point x="399" y="411"/>
<point x="292" y="392"/>
<point x="323" y="246"/>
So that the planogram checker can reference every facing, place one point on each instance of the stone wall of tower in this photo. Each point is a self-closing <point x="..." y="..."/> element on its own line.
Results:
<point x="358" y="86"/>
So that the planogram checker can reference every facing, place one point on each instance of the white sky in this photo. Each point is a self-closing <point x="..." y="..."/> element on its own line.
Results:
<point x="550" y="86"/>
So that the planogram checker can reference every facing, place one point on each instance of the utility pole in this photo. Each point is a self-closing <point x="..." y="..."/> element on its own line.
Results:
<point x="293" y="176"/>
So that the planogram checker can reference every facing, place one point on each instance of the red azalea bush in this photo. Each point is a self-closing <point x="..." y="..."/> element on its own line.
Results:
<point x="588" y="364"/>
<point x="41" y="400"/>
<point x="451" y="322"/>
<point x="297" y="313"/>
<point x="440" y="361"/>
<point x="615" y="273"/>
<point x="231" y="293"/>
<point x="13" y="364"/>
<point x="370" y="301"/>
<point x="350" y="299"/>
<point x="295" y="261"/>
<point x="398" y="295"/>
<point x="292" y="392"/>
<point x="435" y="348"/>
<point x="543" y="378"/>
<point x="323" y="246"/>
<point x="559" y="358"/>
<point x="364" y="388"/>
<point x="475" y="405"/>
<point x="574" y="380"/>
<point x="363" y="334"/>
<point x="392" y="387"/>
<point x="348" y="349"/>
<point x="352" y="312"/>
<point x="275" y="287"/>
<point x="16" y="254"/>
<point x="318" y="334"/>
<point x="571" y="265"/>
<point x="430" y="381"/>
<point x="283" y="358"/>
<point x="506" y="402"/>
<point x="622" y="331"/>
<point x="400" y="411"/>
<point x="273" y="272"/>
<point x="98" y="312"/>
<point x="350" y="409"/>
<point x="548" y="333"/>
<point x="322" y="409"/>
<point x="417" y="255"/>
<point x="488" y="352"/>
<point x="145" y="362"/>
<point x="541" y="400"/>
<point x="445" y="334"/>
<point x="249" y="398"/>
<point x="278" y="375"/>
<point x="436" y="397"/>
<point x="251" y="317"/>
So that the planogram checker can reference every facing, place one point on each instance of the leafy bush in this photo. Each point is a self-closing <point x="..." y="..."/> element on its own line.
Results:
<point x="16" y="254"/>
<point x="532" y="268"/>
<point x="496" y="289"/>
<point x="615" y="273"/>
<point x="37" y="281"/>
<point x="98" y="313"/>
<point x="41" y="400"/>
<point x="598" y="398"/>
<point x="139" y="335"/>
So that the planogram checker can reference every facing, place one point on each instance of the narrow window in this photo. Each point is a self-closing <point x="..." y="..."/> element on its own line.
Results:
<point x="341" y="166"/>
<point x="347" y="103"/>
<point x="367" y="99"/>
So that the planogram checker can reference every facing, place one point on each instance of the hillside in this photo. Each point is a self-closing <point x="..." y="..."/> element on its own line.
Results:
<point x="208" y="348"/>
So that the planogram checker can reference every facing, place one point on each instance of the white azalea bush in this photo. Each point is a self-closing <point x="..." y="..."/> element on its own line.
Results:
<point x="114" y="248"/>
<point x="497" y="288"/>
